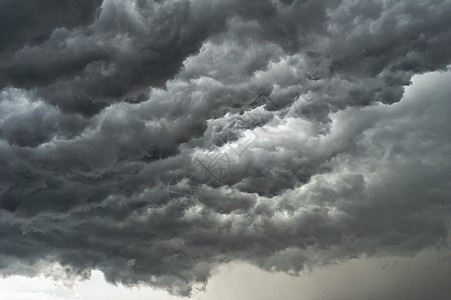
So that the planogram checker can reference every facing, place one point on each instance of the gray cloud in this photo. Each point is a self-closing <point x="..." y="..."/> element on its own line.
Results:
<point x="106" y="111"/>
<point x="31" y="22"/>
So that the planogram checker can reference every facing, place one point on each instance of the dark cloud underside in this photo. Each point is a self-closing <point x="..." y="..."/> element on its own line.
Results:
<point x="281" y="120"/>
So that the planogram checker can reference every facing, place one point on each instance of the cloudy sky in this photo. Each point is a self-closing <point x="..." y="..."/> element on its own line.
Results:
<point x="225" y="149"/>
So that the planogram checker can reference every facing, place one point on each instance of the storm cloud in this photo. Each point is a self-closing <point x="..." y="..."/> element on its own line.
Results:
<point x="157" y="140"/>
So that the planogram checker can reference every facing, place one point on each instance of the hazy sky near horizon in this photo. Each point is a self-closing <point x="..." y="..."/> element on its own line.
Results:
<point x="232" y="145"/>
<point x="390" y="277"/>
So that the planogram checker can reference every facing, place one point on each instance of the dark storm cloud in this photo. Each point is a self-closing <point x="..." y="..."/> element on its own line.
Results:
<point x="31" y="22"/>
<point x="128" y="48"/>
<point x="35" y="124"/>
<point x="268" y="113"/>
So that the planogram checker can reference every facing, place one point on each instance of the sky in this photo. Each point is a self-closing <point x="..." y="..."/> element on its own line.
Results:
<point x="224" y="149"/>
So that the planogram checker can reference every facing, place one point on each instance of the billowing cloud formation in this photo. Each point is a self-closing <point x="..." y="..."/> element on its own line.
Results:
<point x="155" y="140"/>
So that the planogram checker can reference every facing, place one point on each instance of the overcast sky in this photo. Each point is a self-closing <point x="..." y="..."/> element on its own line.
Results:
<point x="212" y="149"/>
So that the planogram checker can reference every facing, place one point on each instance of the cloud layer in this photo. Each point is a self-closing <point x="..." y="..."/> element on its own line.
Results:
<point x="155" y="140"/>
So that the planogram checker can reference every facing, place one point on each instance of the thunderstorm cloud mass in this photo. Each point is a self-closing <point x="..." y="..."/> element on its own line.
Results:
<point x="156" y="141"/>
